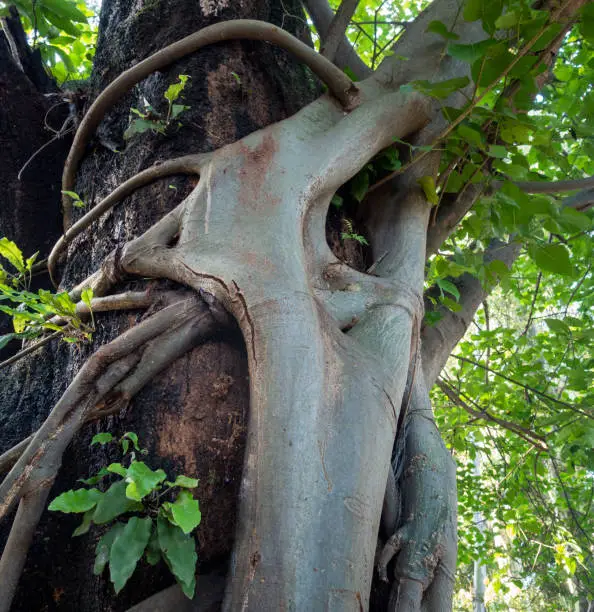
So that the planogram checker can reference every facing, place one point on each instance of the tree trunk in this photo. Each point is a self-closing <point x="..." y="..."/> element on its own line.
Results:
<point x="197" y="429"/>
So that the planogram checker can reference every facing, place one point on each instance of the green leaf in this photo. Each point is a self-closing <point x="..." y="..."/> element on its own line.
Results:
<point x="498" y="151"/>
<point x="574" y="220"/>
<point x="113" y="503"/>
<point x="336" y="200"/>
<point x="177" y="109"/>
<point x="179" y="552"/>
<point x="86" y="296"/>
<point x="79" y="500"/>
<point x="9" y="250"/>
<point x="470" y="135"/>
<point x="558" y="326"/>
<point x="128" y="549"/>
<point x="153" y="550"/>
<point x="552" y="258"/>
<point x="101" y="438"/>
<point x="142" y="480"/>
<point x="174" y="90"/>
<point x="470" y="53"/>
<point x="427" y="184"/>
<point x="117" y="468"/>
<point x="440" y="28"/>
<point x="65" y="9"/>
<point x="85" y="525"/>
<point x="104" y="547"/>
<point x="441" y="89"/>
<point x="472" y="10"/>
<point x="360" y="185"/>
<point x="185" y="512"/>
<point x="184" y="481"/>
<point x="98" y="477"/>
<point x="446" y="285"/>
<point x="130" y="435"/>
<point x="508" y="20"/>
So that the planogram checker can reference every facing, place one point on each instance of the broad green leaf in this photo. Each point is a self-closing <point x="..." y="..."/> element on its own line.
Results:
<point x="337" y="200"/>
<point x="10" y="251"/>
<point x="86" y="296"/>
<point x="498" y="151"/>
<point x="142" y="480"/>
<point x="470" y="135"/>
<point x="101" y="438"/>
<point x="153" y="550"/>
<point x="114" y="503"/>
<point x="104" y="547"/>
<point x="552" y="258"/>
<point x="79" y="500"/>
<point x="440" y="28"/>
<point x="185" y="512"/>
<point x="507" y="20"/>
<point x="117" y="468"/>
<point x="130" y="435"/>
<point x="470" y="53"/>
<point x="184" y="481"/>
<point x="360" y="185"/>
<point x="177" y="110"/>
<point x="574" y="220"/>
<point x="85" y="525"/>
<point x="446" y="285"/>
<point x="427" y="184"/>
<point x="558" y="326"/>
<point x="98" y="477"/>
<point x="179" y="552"/>
<point x="174" y="90"/>
<point x="441" y="89"/>
<point x="66" y="9"/>
<point x="128" y="549"/>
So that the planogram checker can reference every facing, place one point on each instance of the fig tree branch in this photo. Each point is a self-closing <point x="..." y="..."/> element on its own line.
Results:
<point x="346" y="57"/>
<point x="189" y="164"/>
<point x="336" y="31"/>
<point x="339" y="85"/>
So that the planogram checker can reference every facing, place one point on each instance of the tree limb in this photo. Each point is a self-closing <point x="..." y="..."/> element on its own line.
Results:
<point x="341" y="87"/>
<point x="335" y="33"/>
<point x="525" y="434"/>
<point x="550" y="186"/>
<point x="440" y="339"/>
<point x="346" y="57"/>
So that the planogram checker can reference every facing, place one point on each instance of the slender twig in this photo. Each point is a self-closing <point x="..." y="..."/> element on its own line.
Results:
<point x="30" y="349"/>
<point x="339" y="85"/>
<point x="524" y="386"/>
<point x="535" y="295"/>
<point x="526" y="434"/>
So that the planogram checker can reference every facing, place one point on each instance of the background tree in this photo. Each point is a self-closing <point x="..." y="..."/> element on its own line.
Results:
<point x="418" y="177"/>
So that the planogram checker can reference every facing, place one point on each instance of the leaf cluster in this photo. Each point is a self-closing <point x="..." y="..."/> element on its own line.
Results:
<point x="157" y="526"/>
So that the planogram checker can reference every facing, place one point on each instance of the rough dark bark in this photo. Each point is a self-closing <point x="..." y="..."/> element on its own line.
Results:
<point x="196" y="429"/>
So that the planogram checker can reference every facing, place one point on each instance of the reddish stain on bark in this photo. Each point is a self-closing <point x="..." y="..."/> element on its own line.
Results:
<point x="254" y="172"/>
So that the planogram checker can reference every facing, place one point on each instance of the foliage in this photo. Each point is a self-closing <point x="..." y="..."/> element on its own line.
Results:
<point x="157" y="525"/>
<point x="151" y="120"/>
<point x="34" y="313"/>
<point x="64" y="32"/>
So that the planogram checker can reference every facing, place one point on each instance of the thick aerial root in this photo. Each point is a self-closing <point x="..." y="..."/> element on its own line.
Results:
<point x="425" y="542"/>
<point x="341" y="87"/>
<point x="113" y="374"/>
<point x="189" y="164"/>
<point x="23" y="528"/>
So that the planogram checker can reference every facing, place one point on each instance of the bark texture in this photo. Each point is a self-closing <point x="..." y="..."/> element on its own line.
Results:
<point x="193" y="416"/>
